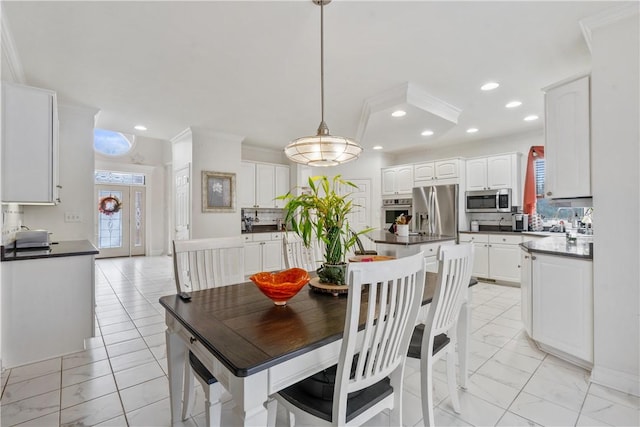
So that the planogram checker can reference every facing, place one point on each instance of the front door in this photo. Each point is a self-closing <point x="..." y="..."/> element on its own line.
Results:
<point x="121" y="224"/>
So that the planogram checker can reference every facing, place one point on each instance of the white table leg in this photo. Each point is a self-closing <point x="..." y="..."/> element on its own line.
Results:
<point x="176" y="353"/>
<point x="250" y="395"/>
<point x="463" y="342"/>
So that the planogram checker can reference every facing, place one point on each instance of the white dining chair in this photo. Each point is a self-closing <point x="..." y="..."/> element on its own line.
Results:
<point x="296" y="254"/>
<point x="368" y="377"/>
<point x="200" y="264"/>
<point x="438" y="336"/>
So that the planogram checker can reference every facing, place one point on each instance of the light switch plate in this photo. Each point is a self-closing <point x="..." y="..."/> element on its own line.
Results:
<point x="72" y="217"/>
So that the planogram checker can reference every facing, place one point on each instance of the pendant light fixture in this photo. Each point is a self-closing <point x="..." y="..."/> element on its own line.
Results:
<point x="322" y="149"/>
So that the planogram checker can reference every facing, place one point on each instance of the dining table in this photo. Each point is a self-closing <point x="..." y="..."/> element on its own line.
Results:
<point x="255" y="348"/>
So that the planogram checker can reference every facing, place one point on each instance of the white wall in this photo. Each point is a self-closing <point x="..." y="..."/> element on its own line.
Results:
<point x="76" y="178"/>
<point x="615" y="186"/>
<point x="149" y="156"/>
<point x="218" y="152"/>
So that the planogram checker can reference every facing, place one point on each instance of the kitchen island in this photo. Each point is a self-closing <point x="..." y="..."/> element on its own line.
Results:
<point x="557" y="296"/>
<point x="48" y="301"/>
<point x="399" y="246"/>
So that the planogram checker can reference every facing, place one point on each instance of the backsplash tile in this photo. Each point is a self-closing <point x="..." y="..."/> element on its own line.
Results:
<point x="12" y="215"/>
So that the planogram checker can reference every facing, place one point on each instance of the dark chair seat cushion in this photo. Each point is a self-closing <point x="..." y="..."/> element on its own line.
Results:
<point x="358" y="402"/>
<point x="439" y="342"/>
<point x="200" y="370"/>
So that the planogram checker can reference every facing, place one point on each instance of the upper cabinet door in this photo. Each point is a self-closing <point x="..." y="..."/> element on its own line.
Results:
<point x="29" y="145"/>
<point x="446" y="168"/>
<point x="282" y="184"/>
<point x="567" y="147"/>
<point x="388" y="181"/>
<point x="265" y="185"/>
<point x="424" y="171"/>
<point x="247" y="185"/>
<point x="499" y="174"/>
<point x="477" y="174"/>
<point x="404" y="180"/>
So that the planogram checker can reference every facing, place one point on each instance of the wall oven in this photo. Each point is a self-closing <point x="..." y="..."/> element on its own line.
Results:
<point x="393" y="208"/>
<point x="489" y="200"/>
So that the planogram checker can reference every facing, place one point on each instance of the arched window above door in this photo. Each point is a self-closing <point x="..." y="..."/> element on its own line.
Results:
<point x="112" y="143"/>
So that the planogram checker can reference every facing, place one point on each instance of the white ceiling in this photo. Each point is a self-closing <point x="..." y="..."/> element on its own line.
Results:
<point x="252" y="68"/>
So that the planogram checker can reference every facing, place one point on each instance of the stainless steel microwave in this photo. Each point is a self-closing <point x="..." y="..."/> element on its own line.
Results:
<point x="489" y="200"/>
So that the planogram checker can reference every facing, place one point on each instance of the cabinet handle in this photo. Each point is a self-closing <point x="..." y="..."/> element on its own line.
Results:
<point x="549" y="193"/>
<point x="518" y="265"/>
<point x="58" y="186"/>
<point x="533" y="258"/>
<point x="504" y="240"/>
<point x="526" y="257"/>
<point x="192" y="340"/>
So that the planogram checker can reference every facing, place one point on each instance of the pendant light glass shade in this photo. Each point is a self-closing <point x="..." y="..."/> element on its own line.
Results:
<point x="322" y="149"/>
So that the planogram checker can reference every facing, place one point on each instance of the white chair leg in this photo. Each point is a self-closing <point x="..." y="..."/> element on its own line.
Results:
<point x="213" y="412"/>
<point x="272" y="412"/>
<point x="451" y="379"/>
<point x="426" y="377"/>
<point x="189" y="391"/>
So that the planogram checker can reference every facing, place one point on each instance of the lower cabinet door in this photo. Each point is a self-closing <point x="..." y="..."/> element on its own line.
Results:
<point x="563" y="304"/>
<point x="272" y="255"/>
<point x="525" y="289"/>
<point x="504" y="261"/>
<point x="252" y="258"/>
<point x="480" y="260"/>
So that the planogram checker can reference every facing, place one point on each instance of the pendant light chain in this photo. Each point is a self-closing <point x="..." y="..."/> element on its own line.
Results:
<point x="322" y="149"/>
<point x="322" y="61"/>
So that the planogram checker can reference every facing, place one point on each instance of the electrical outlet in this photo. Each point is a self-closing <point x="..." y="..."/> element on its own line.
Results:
<point x="72" y="217"/>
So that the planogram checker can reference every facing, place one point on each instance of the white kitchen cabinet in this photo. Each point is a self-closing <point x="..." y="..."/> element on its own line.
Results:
<point x="496" y="256"/>
<point x="567" y="139"/>
<point x="260" y="183"/>
<point x="262" y="252"/>
<point x="480" y="253"/>
<point x="29" y="145"/>
<point x="494" y="172"/>
<point x="562" y="306"/>
<point x="429" y="173"/>
<point x="397" y="180"/>
<point x="525" y="290"/>
<point x="47" y="308"/>
<point x="430" y="251"/>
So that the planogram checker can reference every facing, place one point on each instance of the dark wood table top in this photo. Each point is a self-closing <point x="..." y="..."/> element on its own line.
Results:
<point x="248" y="333"/>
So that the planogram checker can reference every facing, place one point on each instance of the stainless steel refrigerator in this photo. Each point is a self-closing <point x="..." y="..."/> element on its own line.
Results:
<point x="435" y="210"/>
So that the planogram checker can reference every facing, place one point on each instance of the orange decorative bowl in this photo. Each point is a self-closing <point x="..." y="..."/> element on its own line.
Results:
<point x="281" y="286"/>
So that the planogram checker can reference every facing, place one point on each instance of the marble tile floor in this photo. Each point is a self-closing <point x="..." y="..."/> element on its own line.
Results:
<point x="121" y="379"/>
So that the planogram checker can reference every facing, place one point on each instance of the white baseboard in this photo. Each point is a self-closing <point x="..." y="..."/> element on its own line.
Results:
<point x="157" y="252"/>
<point x="617" y="380"/>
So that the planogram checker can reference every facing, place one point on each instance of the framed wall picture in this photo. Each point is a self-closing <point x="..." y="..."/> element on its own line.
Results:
<point x="218" y="191"/>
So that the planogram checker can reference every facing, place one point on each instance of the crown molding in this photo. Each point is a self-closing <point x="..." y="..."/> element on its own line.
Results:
<point x="606" y="17"/>
<point x="10" y="54"/>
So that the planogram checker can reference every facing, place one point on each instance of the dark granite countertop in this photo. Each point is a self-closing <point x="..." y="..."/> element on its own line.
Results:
<point x="59" y="249"/>
<point x="384" y="237"/>
<point x="558" y="245"/>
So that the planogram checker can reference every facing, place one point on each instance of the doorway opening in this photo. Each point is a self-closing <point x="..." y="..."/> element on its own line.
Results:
<point x="121" y="211"/>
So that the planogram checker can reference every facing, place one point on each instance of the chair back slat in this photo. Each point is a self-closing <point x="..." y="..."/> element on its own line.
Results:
<point x="394" y="297"/>
<point x="297" y="255"/>
<point x="206" y="263"/>
<point x="454" y="273"/>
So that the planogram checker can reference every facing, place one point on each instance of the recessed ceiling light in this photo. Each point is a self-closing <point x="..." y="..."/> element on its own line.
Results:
<point x="427" y="132"/>
<point x="513" y="104"/>
<point x="377" y="147"/>
<point x="472" y="130"/>
<point x="531" y="118"/>
<point x="399" y="113"/>
<point x="140" y="127"/>
<point x="489" y="86"/>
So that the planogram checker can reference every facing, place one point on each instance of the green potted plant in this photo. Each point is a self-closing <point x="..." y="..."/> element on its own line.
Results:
<point x="321" y="213"/>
